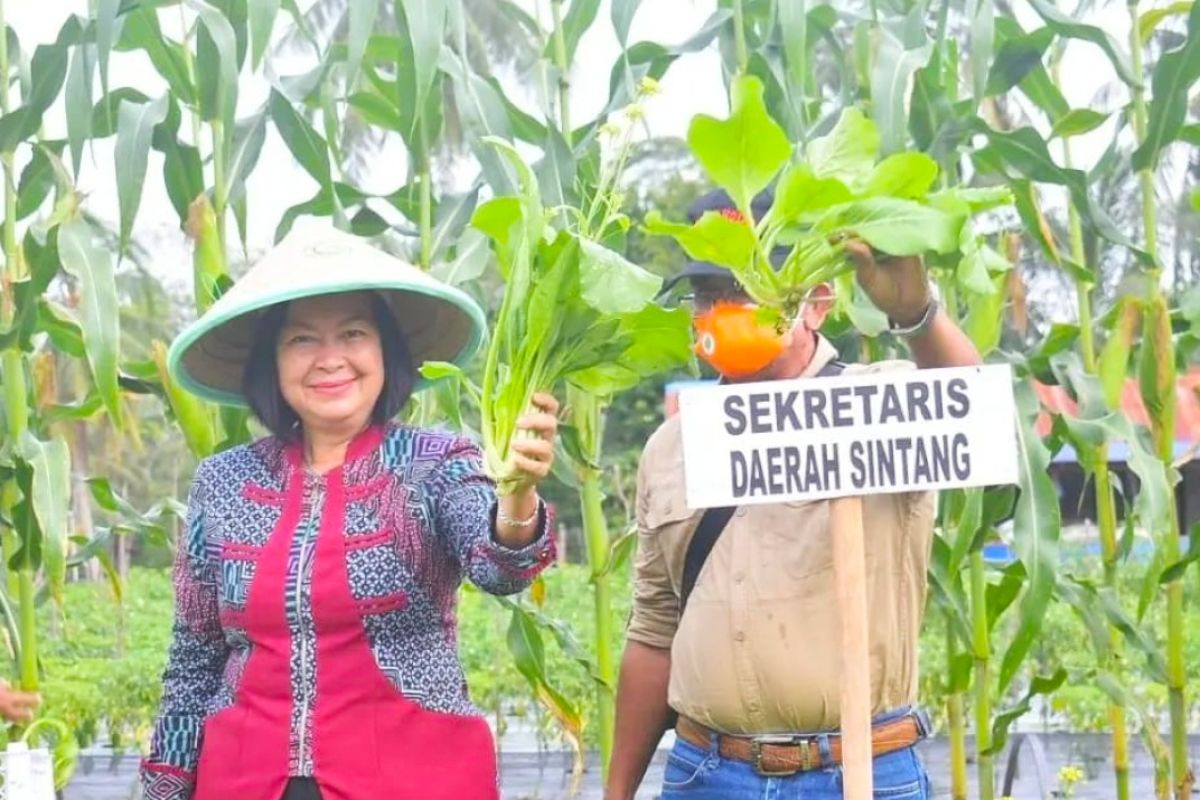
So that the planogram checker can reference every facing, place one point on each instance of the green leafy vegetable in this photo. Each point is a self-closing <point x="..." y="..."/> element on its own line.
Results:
<point x="840" y="190"/>
<point x="573" y="310"/>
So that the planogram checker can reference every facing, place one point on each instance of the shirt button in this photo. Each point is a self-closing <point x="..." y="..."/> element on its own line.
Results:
<point x="740" y="636"/>
<point x="741" y="512"/>
<point x="738" y="578"/>
<point x="753" y="706"/>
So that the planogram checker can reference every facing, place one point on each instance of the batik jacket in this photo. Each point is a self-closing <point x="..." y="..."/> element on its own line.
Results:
<point x="419" y="515"/>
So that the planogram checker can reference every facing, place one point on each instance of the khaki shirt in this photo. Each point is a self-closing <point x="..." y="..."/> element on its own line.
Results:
<point x="759" y="647"/>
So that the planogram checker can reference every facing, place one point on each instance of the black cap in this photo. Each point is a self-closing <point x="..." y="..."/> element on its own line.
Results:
<point x="722" y="203"/>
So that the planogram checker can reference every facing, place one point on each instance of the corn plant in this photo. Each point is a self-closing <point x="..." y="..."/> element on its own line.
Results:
<point x="48" y="247"/>
<point x="1156" y="124"/>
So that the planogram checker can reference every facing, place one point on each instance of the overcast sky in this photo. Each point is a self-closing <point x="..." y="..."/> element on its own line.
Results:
<point x="693" y="85"/>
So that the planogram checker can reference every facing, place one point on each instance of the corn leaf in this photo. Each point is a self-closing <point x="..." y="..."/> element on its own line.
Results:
<point x="1040" y="685"/>
<point x="982" y="14"/>
<point x="1077" y="122"/>
<point x="484" y="113"/>
<point x="425" y="26"/>
<point x="1175" y="571"/>
<point x="891" y="78"/>
<point x="1019" y="54"/>
<point x="47" y="72"/>
<point x="135" y="130"/>
<point x="1000" y="596"/>
<point x="793" y="25"/>
<point x="51" y="464"/>
<point x="623" y="12"/>
<point x="528" y="652"/>
<point x="362" y="25"/>
<point x="946" y="587"/>
<point x="248" y="141"/>
<point x="262" y="22"/>
<point x="37" y="178"/>
<point x="579" y="17"/>
<point x="302" y="139"/>
<point x="216" y="65"/>
<point x="1036" y="530"/>
<point x="1150" y="20"/>
<point x="1173" y="78"/>
<point x="78" y="100"/>
<point x="644" y="59"/>
<point x="1064" y="25"/>
<point x="109" y="23"/>
<point x="1025" y="153"/>
<point x="91" y="266"/>
<point x="141" y="31"/>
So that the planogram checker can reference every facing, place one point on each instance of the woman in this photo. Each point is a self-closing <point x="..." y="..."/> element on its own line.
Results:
<point x="314" y="652"/>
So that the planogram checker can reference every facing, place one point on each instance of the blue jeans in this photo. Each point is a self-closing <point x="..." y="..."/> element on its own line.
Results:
<point x="695" y="773"/>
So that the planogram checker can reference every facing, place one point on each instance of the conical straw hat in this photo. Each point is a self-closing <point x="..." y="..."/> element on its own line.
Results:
<point x="439" y="322"/>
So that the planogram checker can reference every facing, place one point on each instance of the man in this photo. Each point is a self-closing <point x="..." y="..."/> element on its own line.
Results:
<point x="752" y="667"/>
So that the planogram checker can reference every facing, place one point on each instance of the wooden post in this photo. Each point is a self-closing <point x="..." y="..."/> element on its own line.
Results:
<point x="850" y="575"/>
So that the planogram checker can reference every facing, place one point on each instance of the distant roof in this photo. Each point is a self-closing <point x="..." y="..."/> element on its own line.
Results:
<point x="1187" y="413"/>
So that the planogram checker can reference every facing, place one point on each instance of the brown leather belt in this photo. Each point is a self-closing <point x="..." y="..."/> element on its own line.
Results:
<point x="787" y="754"/>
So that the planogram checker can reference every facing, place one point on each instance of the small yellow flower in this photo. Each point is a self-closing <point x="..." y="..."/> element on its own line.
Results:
<point x="648" y="87"/>
<point x="610" y="129"/>
<point x="635" y="111"/>
<point x="1070" y="775"/>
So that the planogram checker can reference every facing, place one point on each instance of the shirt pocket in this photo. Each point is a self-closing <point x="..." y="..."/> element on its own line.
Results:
<point x="239" y="563"/>
<point x="668" y="519"/>
<point x="792" y="548"/>
<point x="377" y="573"/>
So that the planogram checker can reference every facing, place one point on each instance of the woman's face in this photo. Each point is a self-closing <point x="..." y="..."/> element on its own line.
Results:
<point x="330" y="360"/>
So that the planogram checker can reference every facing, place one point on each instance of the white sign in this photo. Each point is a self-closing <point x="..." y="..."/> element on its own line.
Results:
<point x="852" y="434"/>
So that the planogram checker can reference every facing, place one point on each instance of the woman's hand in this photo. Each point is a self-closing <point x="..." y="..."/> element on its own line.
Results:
<point x="532" y="447"/>
<point x="532" y="455"/>
<point x="17" y="706"/>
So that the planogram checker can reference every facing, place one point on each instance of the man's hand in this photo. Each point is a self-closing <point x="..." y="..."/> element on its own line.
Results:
<point x="899" y="287"/>
<point x="17" y="706"/>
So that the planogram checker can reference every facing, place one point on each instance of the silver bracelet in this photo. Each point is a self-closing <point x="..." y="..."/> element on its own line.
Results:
<point x="519" y="523"/>
<point x="920" y="326"/>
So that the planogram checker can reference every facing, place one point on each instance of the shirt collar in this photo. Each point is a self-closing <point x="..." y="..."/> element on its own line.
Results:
<point x="822" y="355"/>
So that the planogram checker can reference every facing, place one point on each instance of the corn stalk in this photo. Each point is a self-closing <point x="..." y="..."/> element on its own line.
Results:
<point x="15" y="388"/>
<point x="1158" y="390"/>
<point x="981" y="653"/>
<point x="587" y="411"/>
<point x="588" y="416"/>
<point x="956" y="722"/>
<point x="1106" y="513"/>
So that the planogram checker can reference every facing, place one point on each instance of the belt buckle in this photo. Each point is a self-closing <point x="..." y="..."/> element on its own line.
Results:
<point x="756" y="754"/>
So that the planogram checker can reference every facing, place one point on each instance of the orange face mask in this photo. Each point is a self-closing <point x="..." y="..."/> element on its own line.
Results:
<point x="732" y="338"/>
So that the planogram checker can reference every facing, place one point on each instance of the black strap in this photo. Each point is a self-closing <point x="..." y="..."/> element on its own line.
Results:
<point x="713" y="522"/>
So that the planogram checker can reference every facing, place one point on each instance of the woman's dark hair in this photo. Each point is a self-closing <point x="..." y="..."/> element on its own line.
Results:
<point x="260" y="378"/>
